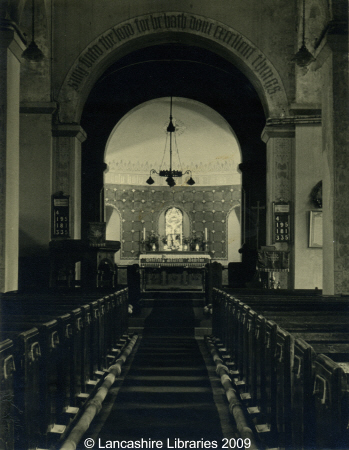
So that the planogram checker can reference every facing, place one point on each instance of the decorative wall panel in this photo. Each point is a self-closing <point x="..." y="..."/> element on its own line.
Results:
<point x="140" y="207"/>
<point x="283" y="168"/>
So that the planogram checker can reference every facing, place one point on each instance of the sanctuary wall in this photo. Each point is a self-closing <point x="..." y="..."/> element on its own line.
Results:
<point x="207" y="207"/>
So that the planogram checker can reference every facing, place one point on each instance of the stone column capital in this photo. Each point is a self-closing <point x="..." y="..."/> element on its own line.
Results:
<point x="38" y="107"/>
<point x="310" y="112"/>
<point x="12" y="38"/>
<point x="280" y="130"/>
<point x="69" y="130"/>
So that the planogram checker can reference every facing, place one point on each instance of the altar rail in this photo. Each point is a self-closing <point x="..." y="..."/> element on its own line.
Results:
<point x="289" y="360"/>
<point x="54" y="351"/>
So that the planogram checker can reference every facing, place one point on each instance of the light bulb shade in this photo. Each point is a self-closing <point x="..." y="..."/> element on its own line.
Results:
<point x="171" y="128"/>
<point x="150" y="181"/>
<point x="191" y="182"/>
<point x="303" y="57"/>
<point x="33" y="53"/>
<point x="170" y="181"/>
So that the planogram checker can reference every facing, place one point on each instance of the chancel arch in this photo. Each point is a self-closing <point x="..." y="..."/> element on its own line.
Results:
<point x="169" y="27"/>
<point x="279" y="135"/>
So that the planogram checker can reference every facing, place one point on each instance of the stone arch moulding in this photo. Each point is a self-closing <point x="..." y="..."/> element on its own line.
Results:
<point x="169" y="27"/>
<point x="113" y="206"/>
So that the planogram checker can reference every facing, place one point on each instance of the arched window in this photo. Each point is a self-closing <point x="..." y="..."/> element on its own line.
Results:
<point x="174" y="228"/>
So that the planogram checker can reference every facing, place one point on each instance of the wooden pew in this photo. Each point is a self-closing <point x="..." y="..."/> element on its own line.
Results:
<point x="55" y="357"/>
<point x="81" y="337"/>
<point x="54" y="385"/>
<point x="102" y="328"/>
<point x="7" y="369"/>
<point x="303" y="405"/>
<point x="330" y="394"/>
<point x="280" y="372"/>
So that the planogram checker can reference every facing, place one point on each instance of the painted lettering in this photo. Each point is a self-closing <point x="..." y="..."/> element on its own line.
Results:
<point x="174" y="21"/>
<point x="243" y="48"/>
<point x="142" y="25"/>
<point x="254" y="62"/>
<point x="73" y="85"/>
<point x="218" y="32"/>
<point x="155" y="22"/>
<point x="91" y="55"/>
<point x="272" y="86"/>
<point x="267" y="73"/>
<point x="228" y="37"/>
<point x="108" y="41"/>
<point x="234" y="40"/>
<point x="124" y="32"/>
<point x="179" y="21"/>
<point x="77" y="76"/>
<point x="200" y="25"/>
<point x="262" y="68"/>
<point x="247" y="51"/>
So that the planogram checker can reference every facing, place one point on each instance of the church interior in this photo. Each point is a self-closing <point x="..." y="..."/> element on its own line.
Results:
<point x="174" y="224"/>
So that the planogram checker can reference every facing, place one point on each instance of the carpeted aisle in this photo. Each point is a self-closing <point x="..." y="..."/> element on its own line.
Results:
<point x="166" y="394"/>
<point x="170" y="318"/>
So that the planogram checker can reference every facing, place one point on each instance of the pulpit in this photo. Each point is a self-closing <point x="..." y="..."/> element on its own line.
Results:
<point x="97" y="267"/>
<point x="175" y="270"/>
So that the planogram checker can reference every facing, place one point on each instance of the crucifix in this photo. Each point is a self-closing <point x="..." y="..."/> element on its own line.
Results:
<point x="258" y="208"/>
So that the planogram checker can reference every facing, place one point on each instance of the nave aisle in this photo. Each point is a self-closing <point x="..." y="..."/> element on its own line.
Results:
<point x="169" y="391"/>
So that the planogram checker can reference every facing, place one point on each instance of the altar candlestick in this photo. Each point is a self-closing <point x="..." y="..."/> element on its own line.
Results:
<point x="206" y="234"/>
<point x="144" y="234"/>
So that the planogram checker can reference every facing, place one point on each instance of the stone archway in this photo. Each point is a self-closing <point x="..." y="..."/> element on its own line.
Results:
<point x="165" y="28"/>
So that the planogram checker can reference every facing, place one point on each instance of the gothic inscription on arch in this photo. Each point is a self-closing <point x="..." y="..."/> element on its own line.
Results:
<point x="177" y="22"/>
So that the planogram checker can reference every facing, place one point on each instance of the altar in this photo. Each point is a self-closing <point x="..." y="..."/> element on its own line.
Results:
<point x="174" y="270"/>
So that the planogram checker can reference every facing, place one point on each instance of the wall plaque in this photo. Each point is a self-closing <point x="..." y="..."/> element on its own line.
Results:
<point x="315" y="229"/>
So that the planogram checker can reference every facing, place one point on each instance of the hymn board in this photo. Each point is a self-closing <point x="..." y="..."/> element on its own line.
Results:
<point x="281" y="225"/>
<point x="60" y="216"/>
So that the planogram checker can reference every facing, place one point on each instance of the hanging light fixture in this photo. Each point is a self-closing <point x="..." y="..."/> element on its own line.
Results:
<point x="32" y="52"/>
<point x="303" y="57"/>
<point x="170" y="174"/>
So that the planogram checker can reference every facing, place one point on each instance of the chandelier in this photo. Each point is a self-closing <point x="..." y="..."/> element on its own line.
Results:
<point x="303" y="57"/>
<point x="170" y="173"/>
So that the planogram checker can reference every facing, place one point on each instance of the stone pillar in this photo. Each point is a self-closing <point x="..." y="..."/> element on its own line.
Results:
<point x="336" y="167"/>
<point x="279" y="138"/>
<point x="66" y="176"/>
<point x="35" y="174"/>
<point x="308" y="170"/>
<point x="11" y="48"/>
<point x="34" y="194"/>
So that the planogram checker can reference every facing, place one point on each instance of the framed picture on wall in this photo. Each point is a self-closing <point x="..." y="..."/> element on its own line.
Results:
<point x="315" y="229"/>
